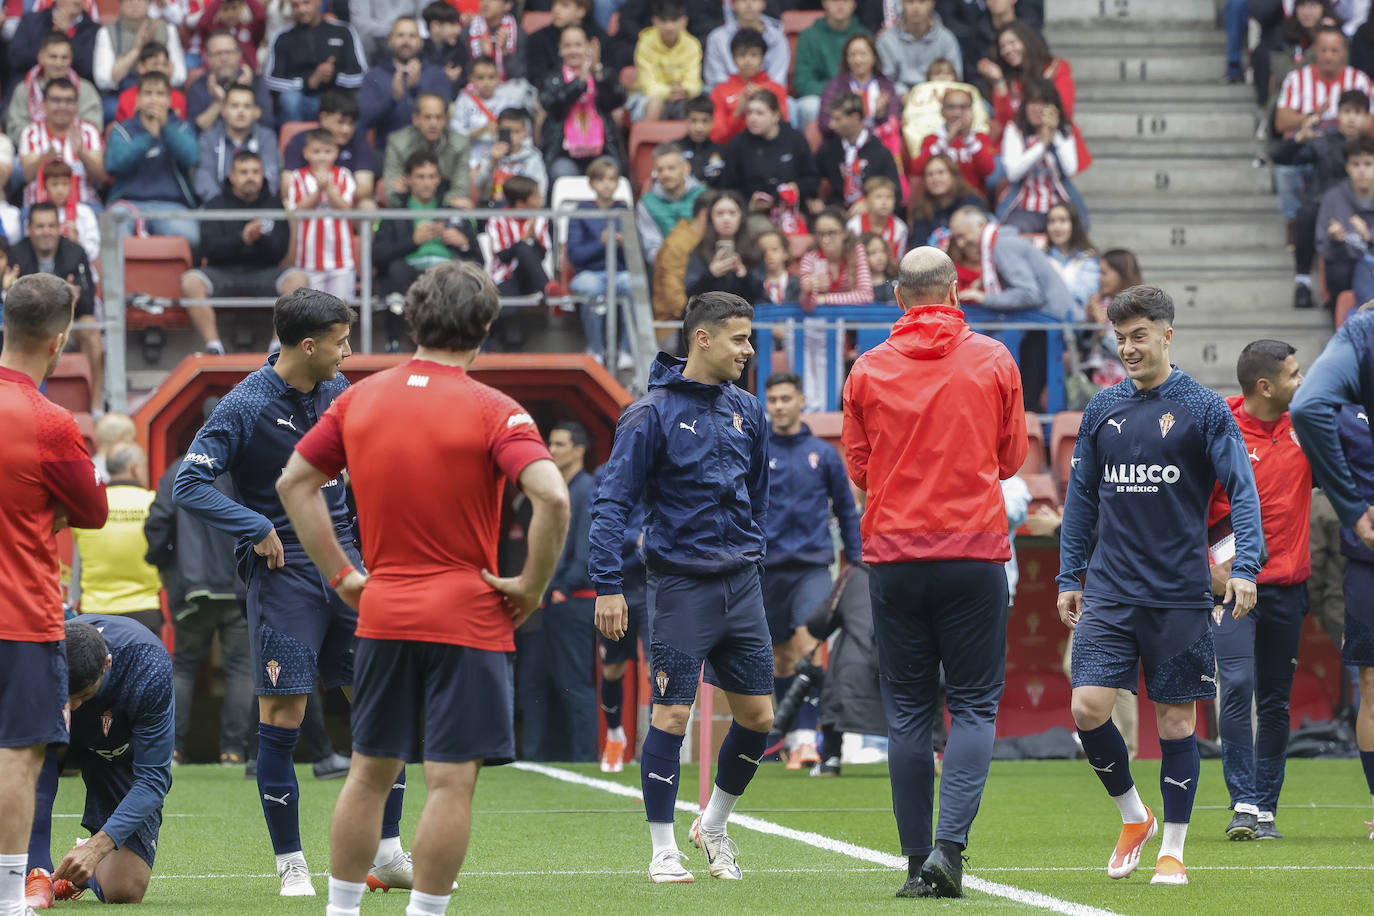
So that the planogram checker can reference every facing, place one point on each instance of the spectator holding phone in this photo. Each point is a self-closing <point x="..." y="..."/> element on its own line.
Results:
<point x="726" y="260"/>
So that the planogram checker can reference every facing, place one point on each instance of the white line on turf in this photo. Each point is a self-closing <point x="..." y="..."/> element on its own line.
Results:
<point x="829" y="844"/>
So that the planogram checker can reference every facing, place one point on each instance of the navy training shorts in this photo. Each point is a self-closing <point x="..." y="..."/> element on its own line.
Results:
<point x="1174" y="645"/>
<point x="615" y="651"/>
<point x="33" y="693"/>
<point x="1357" y="648"/>
<point x="790" y="594"/>
<point x="718" y="620"/>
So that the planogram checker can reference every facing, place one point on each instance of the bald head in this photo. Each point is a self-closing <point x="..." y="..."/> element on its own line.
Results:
<point x="924" y="277"/>
<point x="968" y="219"/>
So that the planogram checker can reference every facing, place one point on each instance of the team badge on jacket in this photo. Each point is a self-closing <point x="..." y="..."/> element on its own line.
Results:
<point x="1166" y="423"/>
<point x="739" y="423"/>
<point x="814" y="459"/>
<point x="106" y="720"/>
<point x="273" y="671"/>
<point x="662" y="680"/>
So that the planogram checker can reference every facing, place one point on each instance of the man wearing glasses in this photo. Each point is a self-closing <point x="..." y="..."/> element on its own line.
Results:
<point x="225" y="67"/>
<point x="62" y="135"/>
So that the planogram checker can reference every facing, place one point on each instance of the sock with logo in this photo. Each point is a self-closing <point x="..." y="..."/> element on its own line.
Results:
<point x="12" y="876"/>
<point x="736" y="765"/>
<point x="612" y="696"/>
<point x="1106" y="752"/>
<point x="40" y="838"/>
<point x="391" y="814"/>
<point x="427" y="904"/>
<point x="345" y="897"/>
<point x="277" y="788"/>
<point x="1179" y="766"/>
<point x="660" y="764"/>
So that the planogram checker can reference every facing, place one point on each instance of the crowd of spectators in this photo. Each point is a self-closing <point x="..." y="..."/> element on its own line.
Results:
<point x="1312" y="69"/>
<point x="891" y="116"/>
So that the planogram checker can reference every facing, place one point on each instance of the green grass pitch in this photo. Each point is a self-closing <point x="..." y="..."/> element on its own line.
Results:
<point x="542" y="846"/>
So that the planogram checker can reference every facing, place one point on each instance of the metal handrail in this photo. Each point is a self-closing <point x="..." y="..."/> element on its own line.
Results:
<point x="639" y="317"/>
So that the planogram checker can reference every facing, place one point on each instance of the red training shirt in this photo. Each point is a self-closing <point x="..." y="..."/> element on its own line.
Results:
<point x="428" y="450"/>
<point x="1284" y="481"/>
<point x="45" y="464"/>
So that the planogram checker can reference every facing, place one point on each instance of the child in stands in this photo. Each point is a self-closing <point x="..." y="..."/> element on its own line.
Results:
<point x="704" y="155"/>
<point x="324" y="246"/>
<point x="881" y="265"/>
<point x="779" y="283"/>
<point x="880" y="202"/>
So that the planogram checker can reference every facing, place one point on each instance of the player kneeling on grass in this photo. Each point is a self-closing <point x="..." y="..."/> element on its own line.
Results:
<point x="694" y="450"/>
<point x="1150" y="449"/>
<point x="436" y="630"/>
<point x="122" y="733"/>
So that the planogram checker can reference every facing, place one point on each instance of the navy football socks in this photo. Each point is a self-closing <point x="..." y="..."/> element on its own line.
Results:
<point x="740" y="753"/>
<point x="1107" y="754"/>
<point x="612" y="696"/>
<point x="391" y="814"/>
<point x="280" y="795"/>
<point x="1179" y="766"/>
<point x="40" y="839"/>
<point x="660" y="764"/>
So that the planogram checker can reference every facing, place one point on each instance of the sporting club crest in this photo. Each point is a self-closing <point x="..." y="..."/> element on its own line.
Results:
<point x="106" y="720"/>
<point x="739" y="423"/>
<point x="1293" y="434"/>
<point x="1036" y="691"/>
<point x="661" y="678"/>
<point x="814" y="459"/>
<point x="273" y="671"/>
<point x="1166" y="423"/>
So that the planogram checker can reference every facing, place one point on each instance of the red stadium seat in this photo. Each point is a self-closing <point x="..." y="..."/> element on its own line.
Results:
<point x="1035" y="454"/>
<point x="534" y="20"/>
<point x="644" y="136"/>
<point x="1063" y="433"/>
<point x="70" y="385"/>
<point x="86" y="423"/>
<point x="153" y="266"/>
<point x="1043" y="491"/>
<point x="289" y="130"/>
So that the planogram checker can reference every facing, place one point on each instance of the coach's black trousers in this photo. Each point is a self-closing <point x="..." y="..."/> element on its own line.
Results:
<point x="951" y="613"/>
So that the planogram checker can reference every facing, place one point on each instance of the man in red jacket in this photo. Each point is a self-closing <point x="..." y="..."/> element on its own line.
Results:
<point x="933" y="421"/>
<point x="48" y="482"/>
<point x="1256" y="654"/>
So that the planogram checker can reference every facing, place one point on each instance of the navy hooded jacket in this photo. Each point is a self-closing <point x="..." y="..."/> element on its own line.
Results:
<point x="1358" y="446"/>
<point x="696" y="455"/>
<point x="807" y="482"/>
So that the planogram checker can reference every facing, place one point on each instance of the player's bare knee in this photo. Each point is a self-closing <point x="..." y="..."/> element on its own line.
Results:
<point x="286" y="711"/>
<point x="1088" y="712"/>
<point x="671" y="719"/>
<point x="757" y="721"/>
<point x="613" y="672"/>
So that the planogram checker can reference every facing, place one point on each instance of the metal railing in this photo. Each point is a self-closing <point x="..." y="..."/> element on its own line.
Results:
<point x="872" y="323"/>
<point x="115" y="297"/>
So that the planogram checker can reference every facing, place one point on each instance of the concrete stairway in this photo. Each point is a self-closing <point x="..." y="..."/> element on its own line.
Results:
<point x="1173" y="177"/>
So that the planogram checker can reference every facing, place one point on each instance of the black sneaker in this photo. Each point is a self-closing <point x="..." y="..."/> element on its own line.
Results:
<point x="1302" y="296"/>
<point x="334" y="766"/>
<point x="1265" y="830"/>
<point x="915" y="887"/>
<point x="830" y="766"/>
<point x="944" y="870"/>
<point x="1242" y="826"/>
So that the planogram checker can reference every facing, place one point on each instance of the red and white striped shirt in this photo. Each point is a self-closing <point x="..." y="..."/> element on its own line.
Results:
<point x="894" y="233"/>
<point x="36" y="139"/>
<point x="322" y="244"/>
<point x="1304" y="90"/>
<point x="504" y="232"/>
<point x="1040" y="174"/>
<point x="846" y="286"/>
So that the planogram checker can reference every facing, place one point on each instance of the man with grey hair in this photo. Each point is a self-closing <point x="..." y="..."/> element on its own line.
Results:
<point x="933" y="418"/>
<point x="1016" y="276"/>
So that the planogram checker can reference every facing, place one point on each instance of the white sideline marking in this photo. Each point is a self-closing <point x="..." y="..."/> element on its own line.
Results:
<point x="603" y="872"/>
<point x="829" y="844"/>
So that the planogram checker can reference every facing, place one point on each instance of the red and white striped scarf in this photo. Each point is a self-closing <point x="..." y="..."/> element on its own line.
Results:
<point x="479" y="30"/>
<point x="33" y="92"/>
<point x="987" y="245"/>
